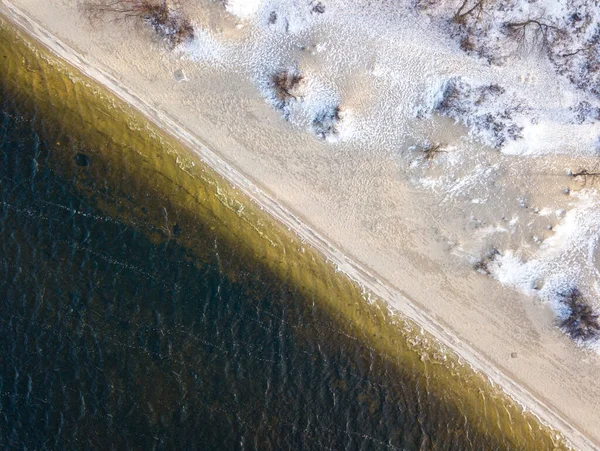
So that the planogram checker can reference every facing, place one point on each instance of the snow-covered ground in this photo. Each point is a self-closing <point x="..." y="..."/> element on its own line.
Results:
<point x="465" y="95"/>
<point x="510" y="101"/>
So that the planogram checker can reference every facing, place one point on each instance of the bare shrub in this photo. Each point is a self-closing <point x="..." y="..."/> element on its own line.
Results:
<point x="471" y="23"/>
<point x="469" y="10"/>
<point x="166" y="23"/>
<point x="425" y="5"/>
<point x="317" y="7"/>
<point x="485" y="110"/>
<point x="483" y="265"/>
<point x="286" y="90"/>
<point x="467" y="44"/>
<point x="533" y="33"/>
<point x="285" y="86"/>
<point x="578" y="59"/>
<point x="581" y="322"/>
<point x="431" y="151"/>
<point x="497" y="30"/>
<point x="567" y="32"/>
<point x="285" y="83"/>
<point x="583" y="175"/>
<point x="584" y="111"/>
<point x="326" y="123"/>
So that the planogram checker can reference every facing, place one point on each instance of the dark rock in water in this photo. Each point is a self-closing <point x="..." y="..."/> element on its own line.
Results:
<point x="82" y="160"/>
<point x="176" y="230"/>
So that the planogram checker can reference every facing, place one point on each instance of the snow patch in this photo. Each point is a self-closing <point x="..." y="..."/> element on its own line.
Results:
<point x="204" y="48"/>
<point x="243" y="9"/>
<point x="488" y="113"/>
<point x="563" y="262"/>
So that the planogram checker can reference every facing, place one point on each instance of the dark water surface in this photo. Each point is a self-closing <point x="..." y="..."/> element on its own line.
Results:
<point x="115" y="335"/>
<point x="110" y="340"/>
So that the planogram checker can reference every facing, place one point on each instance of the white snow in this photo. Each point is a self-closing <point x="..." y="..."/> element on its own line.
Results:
<point x="564" y="261"/>
<point x="243" y="9"/>
<point x="205" y="48"/>
<point x="408" y="60"/>
<point x="386" y="66"/>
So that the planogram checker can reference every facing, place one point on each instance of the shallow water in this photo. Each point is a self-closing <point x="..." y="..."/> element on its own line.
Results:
<point x="129" y="324"/>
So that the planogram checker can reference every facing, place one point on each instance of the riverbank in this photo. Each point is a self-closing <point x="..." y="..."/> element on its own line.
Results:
<point x="536" y="376"/>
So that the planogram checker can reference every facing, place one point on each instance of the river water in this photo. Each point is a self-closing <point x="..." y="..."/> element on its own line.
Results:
<point x="125" y="323"/>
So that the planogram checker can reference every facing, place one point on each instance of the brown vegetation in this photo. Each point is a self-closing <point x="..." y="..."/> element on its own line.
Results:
<point x="533" y="32"/>
<point x="285" y="83"/>
<point x="581" y="322"/>
<point x="467" y="9"/>
<point x="499" y="30"/>
<point x="430" y="151"/>
<point x="166" y="23"/>
<point x="326" y="123"/>
<point x="483" y="265"/>
<point x="480" y="109"/>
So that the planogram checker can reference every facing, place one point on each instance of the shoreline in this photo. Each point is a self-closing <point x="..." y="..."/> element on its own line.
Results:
<point x="359" y="273"/>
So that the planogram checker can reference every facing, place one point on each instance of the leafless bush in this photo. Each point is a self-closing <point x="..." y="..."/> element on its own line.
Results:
<point x="471" y="24"/>
<point x="579" y="59"/>
<point x="483" y="264"/>
<point x="166" y="23"/>
<point x="469" y="9"/>
<point x="430" y="151"/>
<point x="494" y="30"/>
<point x="500" y="30"/>
<point x="326" y="123"/>
<point x="584" y="111"/>
<point x="285" y="91"/>
<point x="467" y="44"/>
<point x="425" y="5"/>
<point x="485" y="110"/>
<point x="285" y="85"/>
<point x="533" y="33"/>
<point x="581" y="322"/>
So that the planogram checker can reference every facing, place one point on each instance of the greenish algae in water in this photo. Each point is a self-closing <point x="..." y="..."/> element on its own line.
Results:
<point x="128" y="169"/>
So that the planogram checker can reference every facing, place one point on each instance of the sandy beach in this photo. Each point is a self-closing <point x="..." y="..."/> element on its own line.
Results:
<point x="407" y="244"/>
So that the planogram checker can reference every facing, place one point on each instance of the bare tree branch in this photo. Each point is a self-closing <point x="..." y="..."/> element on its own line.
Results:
<point x="533" y="31"/>
<point x="157" y="13"/>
